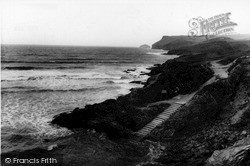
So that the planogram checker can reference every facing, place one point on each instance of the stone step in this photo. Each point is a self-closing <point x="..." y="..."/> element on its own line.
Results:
<point x="139" y="135"/>
<point x="143" y="132"/>
<point x="146" y="131"/>
<point x="148" y="128"/>
<point x="171" y="108"/>
<point x="166" y="114"/>
<point x="174" y="108"/>
<point x="151" y="126"/>
<point x="167" y="111"/>
<point x="158" y="120"/>
<point x="162" y="118"/>
<point x="154" y="122"/>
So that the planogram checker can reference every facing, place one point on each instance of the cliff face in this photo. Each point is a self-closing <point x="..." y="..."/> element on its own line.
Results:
<point x="238" y="153"/>
<point x="205" y="124"/>
<point x="218" y="46"/>
<point x="174" y="42"/>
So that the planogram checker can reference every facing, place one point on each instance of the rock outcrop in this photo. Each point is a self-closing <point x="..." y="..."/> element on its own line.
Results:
<point x="236" y="155"/>
<point x="239" y="153"/>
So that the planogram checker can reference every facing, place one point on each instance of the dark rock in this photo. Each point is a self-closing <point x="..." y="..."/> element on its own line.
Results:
<point x="137" y="82"/>
<point x="129" y="70"/>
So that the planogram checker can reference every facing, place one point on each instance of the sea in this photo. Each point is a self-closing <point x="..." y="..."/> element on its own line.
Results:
<point x="39" y="82"/>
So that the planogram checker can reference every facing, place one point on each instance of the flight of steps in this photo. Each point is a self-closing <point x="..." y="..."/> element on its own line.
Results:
<point x="158" y="120"/>
<point x="173" y="108"/>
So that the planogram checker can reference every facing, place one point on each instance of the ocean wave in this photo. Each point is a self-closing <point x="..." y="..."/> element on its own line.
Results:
<point x="73" y="61"/>
<point x="161" y="52"/>
<point x="35" y="89"/>
<point x="20" y="68"/>
<point x="65" y="77"/>
<point x="42" y="68"/>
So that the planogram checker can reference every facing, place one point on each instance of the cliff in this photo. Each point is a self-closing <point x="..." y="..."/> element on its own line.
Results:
<point x="174" y="42"/>
<point x="216" y="121"/>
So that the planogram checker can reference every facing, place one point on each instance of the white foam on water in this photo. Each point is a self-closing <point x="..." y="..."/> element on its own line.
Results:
<point x="160" y="52"/>
<point x="157" y="52"/>
<point x="29" y="108"/>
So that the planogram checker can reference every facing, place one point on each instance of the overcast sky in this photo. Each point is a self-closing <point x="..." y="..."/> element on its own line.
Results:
<point x="109" y="22"/>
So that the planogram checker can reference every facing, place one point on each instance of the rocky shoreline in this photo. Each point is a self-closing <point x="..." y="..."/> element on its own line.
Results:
<point x="119" y="118"/>
<point x="215" y="122"/>
<point x="203" y="125"/>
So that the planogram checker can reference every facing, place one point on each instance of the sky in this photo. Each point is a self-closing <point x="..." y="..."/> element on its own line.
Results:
<point x="109" y="22"/>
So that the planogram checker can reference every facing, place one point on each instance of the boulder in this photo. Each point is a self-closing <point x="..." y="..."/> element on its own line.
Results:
<point x="237" y="155"/>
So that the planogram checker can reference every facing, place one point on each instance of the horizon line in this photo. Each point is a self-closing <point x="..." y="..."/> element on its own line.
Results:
<point x="68" y="45"/>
